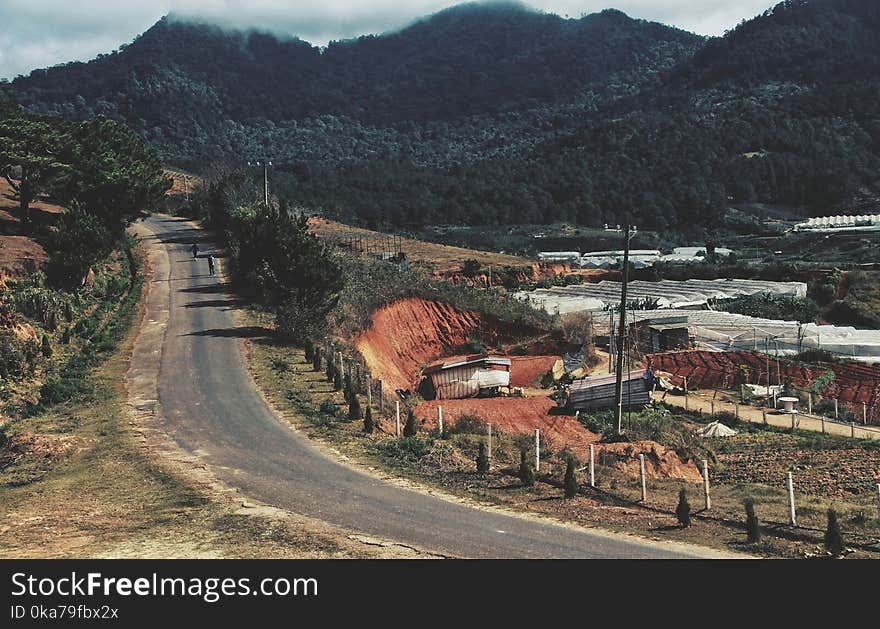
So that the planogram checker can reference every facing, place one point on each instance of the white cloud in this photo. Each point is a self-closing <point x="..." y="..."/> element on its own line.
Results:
<point x="40" y="33"/>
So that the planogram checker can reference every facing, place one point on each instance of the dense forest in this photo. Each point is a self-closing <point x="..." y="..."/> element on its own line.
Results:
<point x="495" y="114"/>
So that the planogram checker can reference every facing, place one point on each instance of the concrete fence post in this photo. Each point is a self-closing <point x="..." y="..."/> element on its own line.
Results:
<point x="822" y="419"/>
<point x="440" y="419"/>
<point x="865" y="413"/>
<point x="489" y="439"/>
<point x="397" y="417"/>
<point x="792" y="518"/>
<point x="642" y="477"/>
<point x="593" y="467"/>
<point x="836" y="414"/>
<point x="537" y="450"/>
<point x="707" y="499"/>
<point x="369" y="391"/>
<point x="810" y="403"/>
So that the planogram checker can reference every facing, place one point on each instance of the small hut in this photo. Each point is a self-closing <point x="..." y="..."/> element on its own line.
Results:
<point x="468" y="376"/>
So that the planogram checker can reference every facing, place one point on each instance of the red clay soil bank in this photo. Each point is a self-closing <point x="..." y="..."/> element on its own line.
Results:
<point x="854" y="383"/>
<point x="514" y="416"/>
<point x="526" y="370"/>
<point x="408" y="334"/>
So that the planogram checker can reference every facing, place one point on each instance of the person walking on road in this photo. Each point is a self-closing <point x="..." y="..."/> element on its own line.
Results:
<point x="195" y="250"/>
<point x="211" y="264"/>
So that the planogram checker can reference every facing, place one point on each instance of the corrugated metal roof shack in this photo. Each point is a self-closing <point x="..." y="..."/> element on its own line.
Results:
<point x="662" y="335"/>
<point x="468" y="376"/>
<point x="598" y="392"/>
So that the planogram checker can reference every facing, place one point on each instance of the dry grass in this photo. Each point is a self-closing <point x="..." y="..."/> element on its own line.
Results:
<point x="440" y="258"/>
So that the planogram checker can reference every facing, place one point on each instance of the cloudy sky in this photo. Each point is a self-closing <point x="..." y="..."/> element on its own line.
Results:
<point x="41" y="33"/>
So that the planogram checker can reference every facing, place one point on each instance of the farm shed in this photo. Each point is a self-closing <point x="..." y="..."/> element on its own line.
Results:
<point x="662" y="335"/>
<point x="598" y="392"/>
<point x="468" y="376"/>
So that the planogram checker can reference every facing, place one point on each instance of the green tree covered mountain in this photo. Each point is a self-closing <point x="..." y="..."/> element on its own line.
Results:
<point x="492" y="114"/>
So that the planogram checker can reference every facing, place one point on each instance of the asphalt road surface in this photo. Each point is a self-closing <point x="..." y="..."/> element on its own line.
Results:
<point x="210" y="408"/>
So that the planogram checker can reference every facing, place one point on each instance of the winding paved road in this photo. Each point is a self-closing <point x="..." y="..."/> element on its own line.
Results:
<point x="210" y="408"/>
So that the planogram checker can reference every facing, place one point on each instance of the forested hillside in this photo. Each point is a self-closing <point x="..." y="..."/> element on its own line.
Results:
<point x="493" y="114"/>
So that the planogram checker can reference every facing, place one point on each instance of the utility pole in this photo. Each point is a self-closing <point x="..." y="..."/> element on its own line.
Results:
<point x="618" y="387"/>
<point x="265" y="164"/>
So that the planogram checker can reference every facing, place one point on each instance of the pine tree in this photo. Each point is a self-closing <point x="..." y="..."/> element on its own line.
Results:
<point x="482" y="459"/>
<point x="570" y="484"/>
<point x="47" y="347"/>
<point x="410" y="428"/>
<point x="354" y="408"/>
<point x="348" y="387"/>
<point x="316" y="360"/>
<point x="753" y="527"/>
<point x="309" y="348"/>
<point x="526" y="472"/>
<point x="368" y="421"/>
<point x="833" y="535"/>
<point x="683" y="510"/>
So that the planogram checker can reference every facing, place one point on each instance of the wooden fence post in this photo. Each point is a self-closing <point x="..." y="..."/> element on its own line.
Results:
<point x="764" y="415"/>
<point x="369" y="391"/>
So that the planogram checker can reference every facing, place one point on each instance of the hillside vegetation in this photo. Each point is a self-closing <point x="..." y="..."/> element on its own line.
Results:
<point x="496" y="114"/>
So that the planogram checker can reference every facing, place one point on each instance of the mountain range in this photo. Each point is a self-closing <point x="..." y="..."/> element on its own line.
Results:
<point x="496" y="113"/>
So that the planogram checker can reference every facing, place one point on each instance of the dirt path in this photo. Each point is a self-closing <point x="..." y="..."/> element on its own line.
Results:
<point x="706" y="402"/>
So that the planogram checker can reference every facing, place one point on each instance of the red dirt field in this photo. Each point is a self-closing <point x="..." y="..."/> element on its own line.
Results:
<point x="514" y="416"/>
<point x="854" y="383"/>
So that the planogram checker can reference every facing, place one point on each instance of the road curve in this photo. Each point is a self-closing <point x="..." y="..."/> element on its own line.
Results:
<point x="210" y="407"/>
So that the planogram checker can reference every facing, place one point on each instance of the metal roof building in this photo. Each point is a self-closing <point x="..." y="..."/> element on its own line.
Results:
<point x="467" y="376"/>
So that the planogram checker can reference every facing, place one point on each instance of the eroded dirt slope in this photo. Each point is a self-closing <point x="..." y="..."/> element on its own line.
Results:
<point x="410" y="333"/>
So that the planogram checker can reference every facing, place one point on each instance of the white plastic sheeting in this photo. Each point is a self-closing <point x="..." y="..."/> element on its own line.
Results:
<point x="667" y="293"/>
